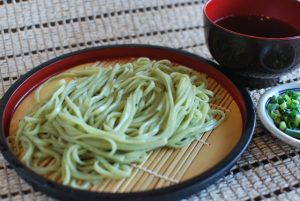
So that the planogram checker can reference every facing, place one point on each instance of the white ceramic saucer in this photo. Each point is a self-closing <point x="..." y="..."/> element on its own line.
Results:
<point x="266" y="119"/>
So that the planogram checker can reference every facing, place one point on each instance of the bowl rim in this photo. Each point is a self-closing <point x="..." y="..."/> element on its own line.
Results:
<point x="266" y="119"/>
<point x="176" y="191"/>
<point x="242" y="34"/>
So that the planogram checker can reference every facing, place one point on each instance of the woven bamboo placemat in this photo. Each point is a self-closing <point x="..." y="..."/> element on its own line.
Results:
<point x="34" y="31"/>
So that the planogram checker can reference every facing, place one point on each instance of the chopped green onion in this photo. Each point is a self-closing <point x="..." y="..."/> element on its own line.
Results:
<point x="282" y="125"/>
<point x="293" y="133"/>
<point x="297" y="120"/>
<point x="284" y="110"/>
<point x="283" y="105"/>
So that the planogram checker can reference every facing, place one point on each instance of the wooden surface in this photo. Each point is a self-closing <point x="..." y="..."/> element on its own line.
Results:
<point x="34" y="31"/>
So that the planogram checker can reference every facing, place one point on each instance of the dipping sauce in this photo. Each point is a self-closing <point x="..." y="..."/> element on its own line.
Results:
<point x="262" y="26"/>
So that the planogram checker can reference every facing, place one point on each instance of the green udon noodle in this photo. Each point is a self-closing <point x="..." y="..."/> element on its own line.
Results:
<point x="103" y="120"/>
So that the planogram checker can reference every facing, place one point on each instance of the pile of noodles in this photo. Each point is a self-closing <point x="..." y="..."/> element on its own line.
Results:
<point x="99" y="121"/>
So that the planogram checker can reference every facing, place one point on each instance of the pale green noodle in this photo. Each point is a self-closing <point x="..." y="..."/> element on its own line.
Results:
<point x="103" y="120"/>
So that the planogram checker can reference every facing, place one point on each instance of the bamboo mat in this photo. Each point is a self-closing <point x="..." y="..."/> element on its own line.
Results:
<point x="34" y="31"/>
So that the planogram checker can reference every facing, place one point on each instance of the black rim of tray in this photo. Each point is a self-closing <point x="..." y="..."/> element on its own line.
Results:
<point x="174" y="192"/>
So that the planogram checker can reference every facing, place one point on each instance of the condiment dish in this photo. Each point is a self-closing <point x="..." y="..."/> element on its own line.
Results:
<point x="267" y="121"/>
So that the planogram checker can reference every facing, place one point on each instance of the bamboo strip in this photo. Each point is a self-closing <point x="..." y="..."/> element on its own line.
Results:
<point x="146" y="179"/>
<point x="148" y="167"/>
<point x="156" y="174"/>
<point x="151" y="171"/>
<point x="171" y="173"/>
<point x="212" y="84"/>
<point x="190" y="159"/>
<point x="132" y="180"/>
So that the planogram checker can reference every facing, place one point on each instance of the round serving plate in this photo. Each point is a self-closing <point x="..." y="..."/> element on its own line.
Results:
<point x="168" y="174"/>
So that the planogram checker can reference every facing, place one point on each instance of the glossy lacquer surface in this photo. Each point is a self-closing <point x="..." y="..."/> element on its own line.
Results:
<point x="252" y="55"/>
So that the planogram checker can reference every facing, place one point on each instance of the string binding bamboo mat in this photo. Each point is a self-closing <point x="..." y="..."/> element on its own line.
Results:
<point x="34" y="31"/>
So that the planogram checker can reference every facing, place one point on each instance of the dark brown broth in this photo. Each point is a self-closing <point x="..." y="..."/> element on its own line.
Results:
<point x="262" y="26"/>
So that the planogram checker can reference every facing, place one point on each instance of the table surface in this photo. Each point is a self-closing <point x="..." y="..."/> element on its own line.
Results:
<point x="34" y="31"/>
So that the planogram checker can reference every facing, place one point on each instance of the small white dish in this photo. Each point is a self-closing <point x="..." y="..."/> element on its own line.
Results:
<point x="266" y="119"/>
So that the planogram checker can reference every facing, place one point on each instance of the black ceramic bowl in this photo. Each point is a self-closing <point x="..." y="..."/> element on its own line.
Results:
<point x="259" y="59"/>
